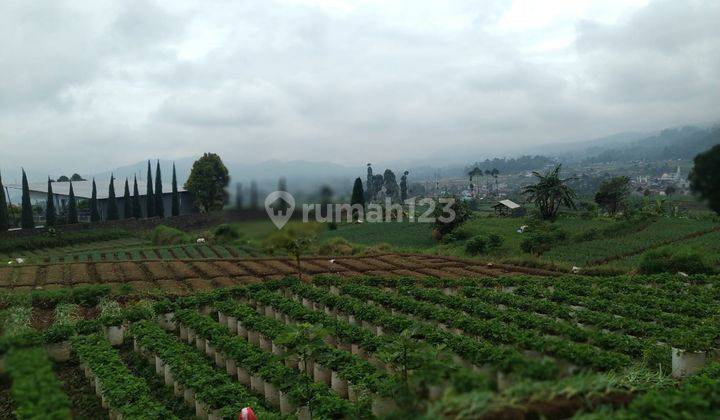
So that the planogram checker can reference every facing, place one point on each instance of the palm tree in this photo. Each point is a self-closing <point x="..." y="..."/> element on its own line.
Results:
<point x="476" y="172"/>
<point x="550" y="193"/>
<point x="494" y="173"/>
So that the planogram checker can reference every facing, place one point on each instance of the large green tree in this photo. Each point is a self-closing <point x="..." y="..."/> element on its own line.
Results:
<point x="50" y="214"/>
<point x="159" y="206"/>
<point x="27" y="221"/>
<point x="94" y="214"/>
<point x="175" y="210"/>
<point x="112" y="208"/>
<point x="4" y="219"/>
<point x="136" y="208"/>
<point x="391" y="186"/>
<point x="207" y="182"/>
<point x="705" y="177"/>
<point x="72" y="207"/>
<point x="149" y="196"/>
<point x="127" y="201"/>
<point x="550" y="193"/>
<point x="613" y="194"/>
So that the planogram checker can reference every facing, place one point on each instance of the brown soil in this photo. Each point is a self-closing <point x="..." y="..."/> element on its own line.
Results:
<point x="42" y="318"/>
<point x="185" y="276"/>
<point x="89" y="312"/>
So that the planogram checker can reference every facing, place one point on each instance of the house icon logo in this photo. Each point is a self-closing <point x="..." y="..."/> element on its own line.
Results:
<point x="279" y="206"/>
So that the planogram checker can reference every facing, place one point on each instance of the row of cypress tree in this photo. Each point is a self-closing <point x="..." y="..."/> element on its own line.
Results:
<point x="131" y="204"/>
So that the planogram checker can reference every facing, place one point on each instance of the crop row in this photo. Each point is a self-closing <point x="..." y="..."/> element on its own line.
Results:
<point x="211" y="392"/>
<point x="274" y="374"/>
<point x="488" y="300"/>
<point x="174" y="252"/>
<point x="368" y="342"/>
<point x="119" y="390"/>
<point x="513" y="318"/>
<point x="563" y="298"/>
<point x="492" y="330"/>
<point x="601" y="250"/>
<point x="35" y="390"/>
<point x="470" y="350"/>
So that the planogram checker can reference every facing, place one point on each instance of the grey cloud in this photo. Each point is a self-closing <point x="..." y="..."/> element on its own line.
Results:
<point x="298" y="81"/>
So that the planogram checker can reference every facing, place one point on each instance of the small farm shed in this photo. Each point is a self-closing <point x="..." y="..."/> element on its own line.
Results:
<point x="509" y="208"/>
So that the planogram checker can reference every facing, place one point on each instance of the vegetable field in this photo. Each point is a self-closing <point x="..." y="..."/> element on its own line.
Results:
<point x="599" y="251"/>
<point x="180" y="276"/>
<point x="482" y="346"/>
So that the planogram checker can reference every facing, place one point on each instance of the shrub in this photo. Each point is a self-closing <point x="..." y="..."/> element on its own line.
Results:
<point x="448" y="238"/>
<point x="476" y="245"/>
<point x="337" y="246"/>
<point x="227" y="233"/>
<point x="588" y="235"/>
<point x="667" y="260"/>
<point x="380" y="248"/>
<point x="461" y="233"/>
<point x="53" y="238"/>
<point x="481" y="244"/>
<point x="462" y="213"/>
<point x="541" y="237"/>
<point x="165" y="235"/>
<point x="495" y="241"/>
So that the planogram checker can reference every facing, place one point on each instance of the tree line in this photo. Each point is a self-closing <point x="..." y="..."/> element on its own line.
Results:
<point x="132" y="208"/>
<point x="552" y="192"/>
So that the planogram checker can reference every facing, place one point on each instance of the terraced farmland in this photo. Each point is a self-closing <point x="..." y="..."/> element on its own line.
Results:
<point x="191" y="275"/>
<point x="599" y="251"/>
<point x="365" y="347"/>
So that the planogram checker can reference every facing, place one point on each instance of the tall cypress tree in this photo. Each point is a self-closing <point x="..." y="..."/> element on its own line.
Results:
<point x="136" y="209"/>
<point x="4" y="221"/>
<point x="358" y="196"/>
<point x="112" y="208"/>
<point x="72" y="207"/>
<point x="404" y="187"/>
<point x="159" y="207"/>
<point x="50" y="217"/>
<point x="149" y="196"/>
<point x="370" y="194"/>
<point x="127" y="203"/>
<point x="94" y="214"/>
<point x="26" y="221"/>
<point x="175" y="195"/>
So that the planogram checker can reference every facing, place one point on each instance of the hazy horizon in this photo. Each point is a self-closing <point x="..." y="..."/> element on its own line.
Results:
<point x="91" y="86"/>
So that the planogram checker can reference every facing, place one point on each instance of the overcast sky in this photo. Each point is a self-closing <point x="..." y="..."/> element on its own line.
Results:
<point x="90" y="85"/>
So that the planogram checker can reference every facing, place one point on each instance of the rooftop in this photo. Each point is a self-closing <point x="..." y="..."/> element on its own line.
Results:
<point x="508" y="203"/>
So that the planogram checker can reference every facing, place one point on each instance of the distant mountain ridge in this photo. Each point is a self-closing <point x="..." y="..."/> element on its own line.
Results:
<point x="674" y="143"/>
